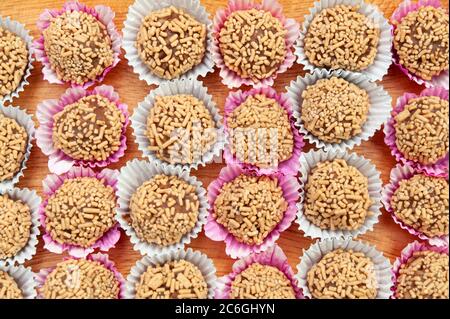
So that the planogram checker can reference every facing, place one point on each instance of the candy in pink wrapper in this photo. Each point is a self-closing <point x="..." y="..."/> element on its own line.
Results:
<point x="102" y="13"/>
<point x="231" y="78"/>
<point x="59" y="162"/>
<point x="51" y="184"/>
<point x="218" y="232"/>
<point x="234" y="100"/>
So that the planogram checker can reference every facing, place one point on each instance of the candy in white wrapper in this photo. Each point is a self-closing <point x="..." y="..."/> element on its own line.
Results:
<point x="24" y="278"/>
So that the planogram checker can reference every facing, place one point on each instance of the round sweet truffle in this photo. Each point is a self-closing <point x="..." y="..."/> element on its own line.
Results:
<point x="80" y="212"/>
<point x="89" y="129"/>
<point x="258" y="127"/>
<point x="250" y="207"/>
<point x="334" y="110"/>
<point x="171" y="42"/>
<point x="342" y="38"/>
<point x="164" y="209"/>
<point x="337" y="196"/>
<point x="8" y="287"/>
<point x="178" y="279"/>
<point x="421" y="202"/>
<point x="421" y="41"/>
<point x="252" y="43"/>
<point x="259" y="281"/>
<point x="424" y="276"/>
<point x="80" y="279"/>
<point x="78" y="47"/>
<point x="343" y="274"/>
<point x="13" y="61"/>
<point x="422" y="129"/>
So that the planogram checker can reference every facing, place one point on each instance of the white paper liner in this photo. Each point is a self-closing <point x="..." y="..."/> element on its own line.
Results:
<point x="315" y="252"/>
<point x="24" y="278"/>
<point x="24" y="119"/>
<point x="383" y="58"/>
<point x="32" y="200"/>
<point x="308" y="161"/>
<point x="379" y="111"/>
<point x="138" y="11"/>
<point x="192" y="87"/>
<point x="133" y="175"/>
<point x="203" y="263"/>
<point x="19" y="29"/>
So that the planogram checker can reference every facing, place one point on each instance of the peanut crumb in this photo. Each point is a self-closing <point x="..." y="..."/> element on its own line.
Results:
<point x="8" y="287"/>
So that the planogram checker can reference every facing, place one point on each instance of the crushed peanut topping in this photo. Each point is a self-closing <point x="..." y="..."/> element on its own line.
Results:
<point x="8" y="287"/>
<point x="164" y="209"/>
<point x="334" y="110"/>
<point x="180" y="129"/>
<point x="421" y="129"/>
<point x="89" y="129"/>
<point x="253" y="44"/>
<point x="15" y="226"/>
<point x="13" y="144"/>
<point x="259" y="128"/>
<point x="421" y="41"/>
<point x="80" y="279"/>
<point x="78" y="47"/>
<point x="342" y="38"/>
<point x="424" y="276"/>
<point x="343" y="274"/>
<point x="422" y="203"/>
<point x="178" y="279"/>
<point x="337" y="196"/>
<point x="171" y="42"/>
<point x="80" y="212"/>
<point x="13" y="61"/>
<point x="250" y="207"/>
<point x="259" y="281"/>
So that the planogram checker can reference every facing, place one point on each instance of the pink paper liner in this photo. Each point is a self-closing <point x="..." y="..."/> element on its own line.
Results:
<point x="102" y="13"/>
<point x="41" y="276"/>
<point x="231" y="78"/>
<point x="407" y="172"/>
<point x="289" y="166"/>
<point x="50" y="184"/>
<point x="59" y="162"/>
<point x="407" y="253"/>
<point x="274" y="257"/>
<point x="440" y="168"/>
<point x="217" y="232"/>
<point x="402" y="10"/>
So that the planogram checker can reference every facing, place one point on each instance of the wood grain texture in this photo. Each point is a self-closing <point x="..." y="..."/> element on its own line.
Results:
<point x="387" y="236"/>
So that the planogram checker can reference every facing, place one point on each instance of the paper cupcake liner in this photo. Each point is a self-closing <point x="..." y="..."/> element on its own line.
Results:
<point x="191" y="87"/>
<point x="24" y="278"/>
<point x="217" y="232"/>
<point x="399" y="173"/>
<point x="132" y="176"/>
<point x="439" y="168"/>
<point x="103" y="259"/>
<point x="310" y="160"/>
<point x="51" y="184"/>
<point x="274" y="257"/>
<point x="103" y="14"/>
<point x="24" y="119"/>
<point x="20" y="30"/>
<point x="402" y="10"/>
<point x="59" y="162"/>
<point x="138" y="11"/>
<point x="379" y="68"/>
<point x="407" y="253"/>
<point x="33" y="201"/>
<point x="380" y="107"/>
<point x="231" y="78"/>
<point x="315" y="253"/>
<point x="203" y="263"/>
<point x="234" y="100"/>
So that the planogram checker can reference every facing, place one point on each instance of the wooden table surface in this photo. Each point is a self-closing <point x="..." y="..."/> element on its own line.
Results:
<point x="387" y="236"/>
